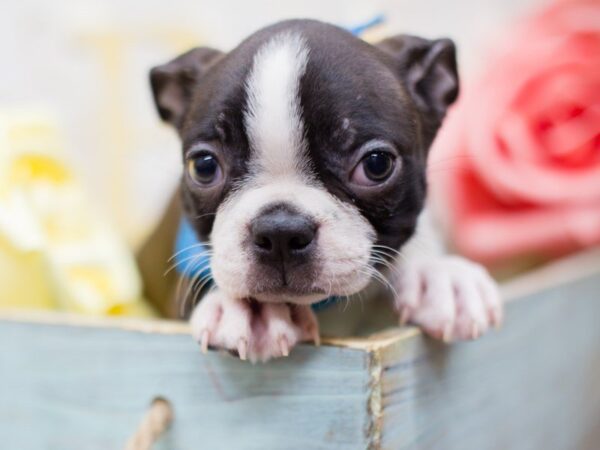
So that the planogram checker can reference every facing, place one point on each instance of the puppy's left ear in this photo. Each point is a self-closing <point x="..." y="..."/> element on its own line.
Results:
<point x="428" y="68"/>
<point x="172" y="83"/>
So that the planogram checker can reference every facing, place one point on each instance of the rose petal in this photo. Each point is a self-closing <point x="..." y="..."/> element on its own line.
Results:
<point x="517" y="163"/>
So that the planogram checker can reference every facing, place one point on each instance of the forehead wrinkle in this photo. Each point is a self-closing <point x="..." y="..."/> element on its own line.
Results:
<point x="273" y="116"/>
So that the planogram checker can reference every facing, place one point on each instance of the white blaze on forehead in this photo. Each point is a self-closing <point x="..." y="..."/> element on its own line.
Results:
<point x="273" y="118"/>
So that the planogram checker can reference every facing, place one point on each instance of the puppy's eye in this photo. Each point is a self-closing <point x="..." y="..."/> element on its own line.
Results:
<point x="204" y="169"/>
<point x="374" y="168"/>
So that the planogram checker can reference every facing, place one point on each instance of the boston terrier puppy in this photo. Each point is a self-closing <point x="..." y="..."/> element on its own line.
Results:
<point x="305" y="151"/>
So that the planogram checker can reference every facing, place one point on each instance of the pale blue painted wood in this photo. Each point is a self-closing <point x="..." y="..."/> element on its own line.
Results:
<point x="86" y="388"/>
<point x="533" y="386"/>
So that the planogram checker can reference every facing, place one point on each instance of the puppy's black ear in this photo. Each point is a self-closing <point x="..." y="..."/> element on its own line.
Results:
<point x="172" y="83"/>
<point x="428" y="69"/>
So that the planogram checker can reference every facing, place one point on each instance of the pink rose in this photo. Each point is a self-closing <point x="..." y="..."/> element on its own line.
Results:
<point x="516" y="167"/>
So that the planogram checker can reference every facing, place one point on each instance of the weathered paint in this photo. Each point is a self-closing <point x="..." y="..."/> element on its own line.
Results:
<point x="71" y="383"/>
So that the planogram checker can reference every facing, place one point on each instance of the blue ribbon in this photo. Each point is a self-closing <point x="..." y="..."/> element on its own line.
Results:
<point x="360" y="29"/>
<point x="191" y="255"/>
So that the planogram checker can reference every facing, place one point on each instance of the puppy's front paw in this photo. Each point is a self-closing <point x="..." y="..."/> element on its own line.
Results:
<point x="448" y="297"/>
<point x="257" y="331"/>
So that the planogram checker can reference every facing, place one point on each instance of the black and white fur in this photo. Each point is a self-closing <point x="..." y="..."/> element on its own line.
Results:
<point x="289" y="114"/>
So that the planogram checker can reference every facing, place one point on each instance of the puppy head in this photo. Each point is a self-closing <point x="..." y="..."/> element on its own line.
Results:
<point x="304" y="150"/>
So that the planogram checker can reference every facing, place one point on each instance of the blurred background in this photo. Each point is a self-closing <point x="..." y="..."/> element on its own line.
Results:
<point x="87" y="169"/>
<point x="86" y="63"/>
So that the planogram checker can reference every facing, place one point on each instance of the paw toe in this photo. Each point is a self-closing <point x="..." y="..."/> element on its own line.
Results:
<point x="456" y="299"/>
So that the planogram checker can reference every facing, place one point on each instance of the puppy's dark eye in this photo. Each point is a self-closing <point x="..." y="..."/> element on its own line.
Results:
<point x="378" y="165"/>
<point x="204" y="169"/>
<point x="374" y="168"/>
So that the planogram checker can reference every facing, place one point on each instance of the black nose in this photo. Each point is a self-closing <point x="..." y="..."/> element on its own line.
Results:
<point x="281" y="235"/>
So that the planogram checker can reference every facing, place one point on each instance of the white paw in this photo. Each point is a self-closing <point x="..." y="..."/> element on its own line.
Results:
<point x="448" y="297"/>
<point x="257" y="331"/>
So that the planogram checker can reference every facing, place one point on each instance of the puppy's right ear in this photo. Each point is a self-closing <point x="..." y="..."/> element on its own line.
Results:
<point x="428" y="70"/>
<point x="172" y="83"/>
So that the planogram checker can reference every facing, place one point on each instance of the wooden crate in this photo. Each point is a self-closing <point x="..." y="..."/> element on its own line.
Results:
<point x="79" y="383"/>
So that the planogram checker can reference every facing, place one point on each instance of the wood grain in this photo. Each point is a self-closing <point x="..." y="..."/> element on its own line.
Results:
<point x="534" y="385"/>
<point x="87" y="388"/>
<point x="68" y="382"/>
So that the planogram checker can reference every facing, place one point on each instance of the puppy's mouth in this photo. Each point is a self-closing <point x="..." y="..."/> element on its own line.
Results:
<point x="290" y="295"/>
<point x="284" y="246"/>
<point x="304" y="284"/>
<point x="270" y="287"/>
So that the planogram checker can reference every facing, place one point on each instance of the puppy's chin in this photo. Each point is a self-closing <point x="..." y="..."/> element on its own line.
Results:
<point x="311" y="287"/>
<point x="286" y="296"/>
<point x="264" y="288"/>
<point x="340" y="287"/>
